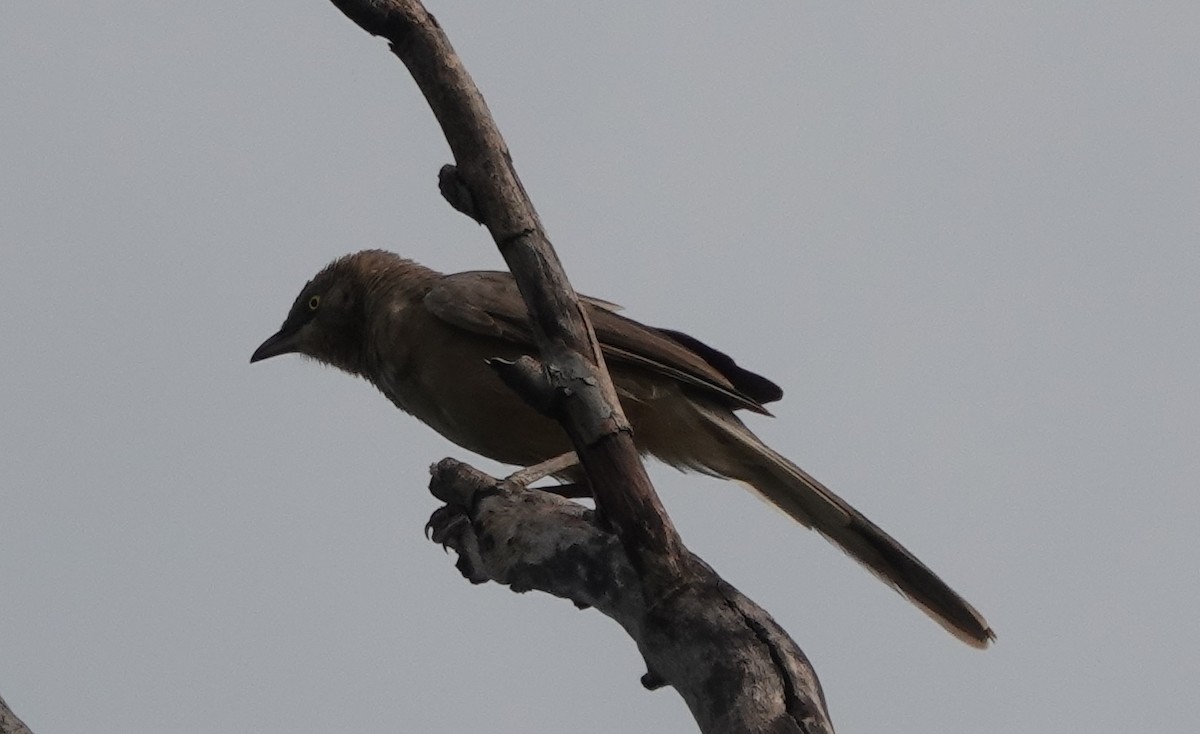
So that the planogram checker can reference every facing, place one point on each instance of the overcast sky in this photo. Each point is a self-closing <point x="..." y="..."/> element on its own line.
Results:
<point x="965" y="242"/>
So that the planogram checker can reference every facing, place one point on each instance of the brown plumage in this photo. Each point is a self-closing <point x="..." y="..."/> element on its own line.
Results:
<point x="422" y="338"/>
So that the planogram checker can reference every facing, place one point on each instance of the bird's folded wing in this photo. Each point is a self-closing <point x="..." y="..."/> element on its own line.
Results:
<point x="488" y="303"/>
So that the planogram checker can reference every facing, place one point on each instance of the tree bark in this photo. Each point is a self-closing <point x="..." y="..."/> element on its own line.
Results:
<point x="735" y="667"/>
<point x="9" y="723"/>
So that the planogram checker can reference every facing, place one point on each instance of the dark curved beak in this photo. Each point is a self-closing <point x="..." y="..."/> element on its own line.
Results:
<point x="281" y="342"/>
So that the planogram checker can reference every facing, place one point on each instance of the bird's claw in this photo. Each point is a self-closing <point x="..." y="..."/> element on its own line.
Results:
<point x="446" y="524"/>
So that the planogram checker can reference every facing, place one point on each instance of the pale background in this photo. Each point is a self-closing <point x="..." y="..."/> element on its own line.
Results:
<point x="963" y="240"/>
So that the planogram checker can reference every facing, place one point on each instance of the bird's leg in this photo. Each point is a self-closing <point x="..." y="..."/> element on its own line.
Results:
<point x="541" y="470"/>
<point x="551" y="467"/>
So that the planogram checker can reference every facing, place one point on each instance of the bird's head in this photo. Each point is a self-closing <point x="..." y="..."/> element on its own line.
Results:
<point x="327" y="320"/>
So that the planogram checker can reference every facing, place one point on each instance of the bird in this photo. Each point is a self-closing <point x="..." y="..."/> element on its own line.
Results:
<point x="424" y="338"/>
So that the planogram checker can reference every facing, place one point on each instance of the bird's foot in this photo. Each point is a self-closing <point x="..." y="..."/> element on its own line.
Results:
<point x="550" y="467"/>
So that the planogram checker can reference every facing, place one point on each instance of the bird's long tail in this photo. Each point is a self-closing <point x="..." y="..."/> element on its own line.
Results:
<point x="744" y="457"/>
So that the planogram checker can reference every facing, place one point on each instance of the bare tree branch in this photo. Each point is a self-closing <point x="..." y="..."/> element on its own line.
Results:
<point x="9" y="723"/>
<point x="737" y="670"/>
<point x="484" y="169"/>
<point x="735" y="667"/>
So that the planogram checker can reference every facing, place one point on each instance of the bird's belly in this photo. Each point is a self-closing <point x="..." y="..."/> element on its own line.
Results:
<point x="493" y="422"/>
<point x="469" y="405"/>
<point x="449" y="387"/>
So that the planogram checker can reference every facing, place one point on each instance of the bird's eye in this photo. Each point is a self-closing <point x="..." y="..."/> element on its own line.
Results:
<point x="313" y="303"/>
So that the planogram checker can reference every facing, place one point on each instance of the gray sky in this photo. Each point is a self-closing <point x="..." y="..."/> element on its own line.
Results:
<point x="963" y="240"/>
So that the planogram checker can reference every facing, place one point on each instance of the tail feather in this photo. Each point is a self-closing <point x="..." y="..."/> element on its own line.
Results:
<point x="811" y="503"/>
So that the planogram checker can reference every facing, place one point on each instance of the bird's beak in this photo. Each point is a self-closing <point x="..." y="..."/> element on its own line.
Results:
<point x="281" y="342"/>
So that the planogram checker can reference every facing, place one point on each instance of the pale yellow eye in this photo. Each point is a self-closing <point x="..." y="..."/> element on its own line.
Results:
<point x="313" y="303"/>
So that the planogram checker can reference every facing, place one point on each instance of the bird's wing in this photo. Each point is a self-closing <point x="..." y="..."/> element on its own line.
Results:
<point x="488" y="303"/>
